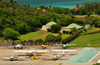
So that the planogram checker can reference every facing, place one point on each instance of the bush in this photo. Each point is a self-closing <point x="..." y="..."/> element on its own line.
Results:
<point x="70" y="32"/>
<point x="10" y="33"/>
<point x="39" y="40"/>
<point x="30" y="40"/>
<point x="60" y="33"/>
<point x="58" y="38"/>
<point x="70" y="38"/>
<point x="67" y="32"/>
<point x="97" y="64"/>
<point x="55" y="28"/>
<point x="49" y="30"/>
<point x="64" y="31"/>
<point x="89" y="13"/>
<point x="50" y="38"/>
<point x="1" y="33"/>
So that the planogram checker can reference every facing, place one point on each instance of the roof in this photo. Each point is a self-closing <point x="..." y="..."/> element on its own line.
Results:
<point x="38" y="8"/>
<point x="51" y="23"/>
<point x="87" y="25"/>
<point x="73" y="25"/>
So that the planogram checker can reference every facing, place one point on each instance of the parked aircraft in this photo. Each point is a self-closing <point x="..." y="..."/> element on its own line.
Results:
<point x="31" y="52"/>
<point x="65" y="45"/>
<point x="57" y="56"/>
<point x="43" y="46"/>
<point x="13" y="58"/>
<point x="19" y="46"/>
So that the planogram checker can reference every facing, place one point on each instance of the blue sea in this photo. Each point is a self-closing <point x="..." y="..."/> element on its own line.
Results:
<point x="54" y="3"/>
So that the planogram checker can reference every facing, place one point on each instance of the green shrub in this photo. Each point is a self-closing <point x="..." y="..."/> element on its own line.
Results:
<point x="97" y="64"/>
<point x="70" y="38"/>
<point x="39" y="40"/>
<point x="10" y="33"/>
<point x="50" y="38"/>
<point x="58" y="38"/>
<point x="60" y="33"/>
<point x="49" y="30"/>
<point x="67" y="32"/>
<point x="55" y="28"/>
<point x="30" y="40"/>
<point x="64" y="31"/>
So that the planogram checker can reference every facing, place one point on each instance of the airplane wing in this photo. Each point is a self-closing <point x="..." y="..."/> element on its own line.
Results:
<point x="64" y="50"/>
<point x="5" y="57"/>
<point x="31" y="51"/>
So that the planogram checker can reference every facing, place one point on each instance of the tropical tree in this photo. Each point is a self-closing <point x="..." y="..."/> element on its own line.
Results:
<point x="10" y="33"/>
<point x="74" y="30"/>
<point x="89" y="13"/>
<point x="77" y="5"/>
<point x="55" y="28"/>
<point x="22" y="28"/>
<point x="39" y="40"/>
<point x="11" y="1"/>
<point x="58" y="38"/>
<point x="50" y="38"/>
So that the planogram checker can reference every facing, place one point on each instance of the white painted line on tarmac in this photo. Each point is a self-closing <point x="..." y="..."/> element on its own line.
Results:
<point x="93" y="57"/>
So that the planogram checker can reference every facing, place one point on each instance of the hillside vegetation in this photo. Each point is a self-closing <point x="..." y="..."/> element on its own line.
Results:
<point x="24" y="19"/>
<point x="84" y="40"/>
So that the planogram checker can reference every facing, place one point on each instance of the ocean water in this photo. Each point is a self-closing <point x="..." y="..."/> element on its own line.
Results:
<point x="54" y="3"/>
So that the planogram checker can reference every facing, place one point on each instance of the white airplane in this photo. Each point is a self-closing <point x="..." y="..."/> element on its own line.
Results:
<point x="31" y="52"/>
<point x="57" y="56"/>
<point x="19" y="46"/>
<point x="43" y="46"/>
<point x="65" y="45"/>
<point x="12" y="58"/>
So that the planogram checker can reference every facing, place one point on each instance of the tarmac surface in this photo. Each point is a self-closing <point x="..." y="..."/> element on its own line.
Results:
<point x="43" y="60"/>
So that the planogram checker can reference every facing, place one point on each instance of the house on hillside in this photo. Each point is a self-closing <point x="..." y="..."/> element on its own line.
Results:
<point x="38" y="8"/>
<point x="48" y="25"/>
<point x="88" y="27"/>
<point x="44" y="10"/>
<point x="68" y="28"/>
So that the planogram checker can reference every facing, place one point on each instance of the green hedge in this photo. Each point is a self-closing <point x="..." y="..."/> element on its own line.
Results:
<point x="70" y="38"/>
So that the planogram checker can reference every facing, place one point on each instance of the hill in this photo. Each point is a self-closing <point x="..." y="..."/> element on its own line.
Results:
<point x="84" y="40"/>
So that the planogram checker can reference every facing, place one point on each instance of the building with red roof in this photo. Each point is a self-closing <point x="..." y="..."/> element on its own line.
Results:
<point x="38" y="8"/>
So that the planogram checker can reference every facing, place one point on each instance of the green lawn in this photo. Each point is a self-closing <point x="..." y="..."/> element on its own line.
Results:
<point x="92" y="30"/>
<point x="39" y="34"/>
<point x="83" y="40"/>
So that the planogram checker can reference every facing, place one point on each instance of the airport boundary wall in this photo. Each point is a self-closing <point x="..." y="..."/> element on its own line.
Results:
<point x="5" y="43"/>
<point x="10" y="42"/>
<point x="38" y="43"/>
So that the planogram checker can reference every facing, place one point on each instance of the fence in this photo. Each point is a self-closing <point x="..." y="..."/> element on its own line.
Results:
<point x="37" y="43"/>
<point x="9" y="43"/>
<point x="5" y="42"/>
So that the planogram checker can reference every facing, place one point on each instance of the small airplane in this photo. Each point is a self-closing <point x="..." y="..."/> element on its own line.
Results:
<point x="31" y="52"/>
<point x="57" y="56"/>
<point x="13" y="58"/>
<point x="43" y="46"/>
<point x="19" y="46"/>
<point x="65" y="45"/>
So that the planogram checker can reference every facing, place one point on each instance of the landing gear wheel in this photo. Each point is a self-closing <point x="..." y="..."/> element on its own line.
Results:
<point x="14" y="47"/>
<point x="21" y="47"/>
<point x="17" y="48"/>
